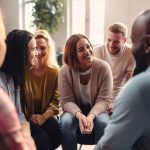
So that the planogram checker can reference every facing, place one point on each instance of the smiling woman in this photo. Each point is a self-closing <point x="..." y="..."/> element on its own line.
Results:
<point x="42" y="96"/>
<point x="84" y="98"/>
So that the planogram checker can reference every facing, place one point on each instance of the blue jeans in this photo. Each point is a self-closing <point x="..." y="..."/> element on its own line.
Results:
<point x="70" y="127"/>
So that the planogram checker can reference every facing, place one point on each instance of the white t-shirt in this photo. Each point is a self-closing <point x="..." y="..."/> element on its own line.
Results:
<point x="120" y="64"/>
<point x="85" y="93"/>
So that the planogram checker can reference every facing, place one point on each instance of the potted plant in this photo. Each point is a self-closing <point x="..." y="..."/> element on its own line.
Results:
<point x="48" y="14"/>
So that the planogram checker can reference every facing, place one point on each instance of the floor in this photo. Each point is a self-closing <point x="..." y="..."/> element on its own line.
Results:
<point x="84" y="147"/>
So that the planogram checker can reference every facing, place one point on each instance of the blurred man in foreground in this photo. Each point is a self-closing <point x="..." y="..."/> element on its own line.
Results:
<point x="129" y="127"/>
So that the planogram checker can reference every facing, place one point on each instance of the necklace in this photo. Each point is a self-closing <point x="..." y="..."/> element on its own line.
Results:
<point x="86" y="72"/>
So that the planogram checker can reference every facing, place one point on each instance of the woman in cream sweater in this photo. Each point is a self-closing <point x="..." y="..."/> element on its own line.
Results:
<point x="85" y="85"/>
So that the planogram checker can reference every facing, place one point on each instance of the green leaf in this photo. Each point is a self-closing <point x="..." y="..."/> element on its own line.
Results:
<point x="48" y="14"/>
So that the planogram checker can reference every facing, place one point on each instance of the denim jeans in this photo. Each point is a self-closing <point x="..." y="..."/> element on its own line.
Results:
<point x="70" y="126"/>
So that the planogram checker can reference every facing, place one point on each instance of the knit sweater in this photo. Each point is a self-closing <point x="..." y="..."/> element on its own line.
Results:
<point x="101" y="87"/>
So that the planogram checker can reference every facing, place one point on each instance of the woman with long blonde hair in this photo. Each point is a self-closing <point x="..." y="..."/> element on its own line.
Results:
<point x="42" y="96"/>
<point x="47" y="50"/>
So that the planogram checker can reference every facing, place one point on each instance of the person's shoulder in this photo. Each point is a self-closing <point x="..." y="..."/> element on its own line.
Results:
<point x="53" y="69"/>
<point x="5" y="102"/>
<point x="140" y="81"/>
<point x="2" y="74"/>
<point x="128" y="47"/>
<point x="136" y="90"/>
<point x="99" y="47"/>
<point x="99" y="63"/>
<point x="5" y="77"/>
<point x="127" y="51"/>
<point x="65" y="69"/>
<point x="142" y="78"/>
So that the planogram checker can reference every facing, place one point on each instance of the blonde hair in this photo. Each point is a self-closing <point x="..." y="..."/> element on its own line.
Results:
<point x="51" y="59"/>
<point x="119" y="27"/>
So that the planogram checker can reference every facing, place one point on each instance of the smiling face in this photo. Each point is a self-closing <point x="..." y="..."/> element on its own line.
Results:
<point x="32" y="51"/>
<point x="115" y="42"/>
<point x="42" y="47"/>
<point x="84" y="53"/>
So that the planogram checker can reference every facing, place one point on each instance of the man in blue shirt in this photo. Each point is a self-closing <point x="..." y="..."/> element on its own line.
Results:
<point x="129" y="127"/>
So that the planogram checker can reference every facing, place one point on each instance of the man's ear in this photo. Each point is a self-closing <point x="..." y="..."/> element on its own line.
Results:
<point x="147" y="44"/>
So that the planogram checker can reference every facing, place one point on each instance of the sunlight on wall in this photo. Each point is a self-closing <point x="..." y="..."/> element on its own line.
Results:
<point x="87" y="17"/>
<point x="83" y="16"/>
<point x="78" y="16"/>
<point x="97" y="14"/>
<point x="28" y="18"/>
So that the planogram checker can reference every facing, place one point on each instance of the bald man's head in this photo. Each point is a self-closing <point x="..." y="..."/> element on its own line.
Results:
<point x="140" y="36"/>
<point x="2" y="41"/>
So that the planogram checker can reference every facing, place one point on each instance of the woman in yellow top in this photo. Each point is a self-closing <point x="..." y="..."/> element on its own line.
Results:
<point x="42" y="98"/>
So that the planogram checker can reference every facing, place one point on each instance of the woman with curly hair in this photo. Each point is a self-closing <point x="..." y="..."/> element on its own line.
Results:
<point x="42" y="95"/>
<point x="11" y="135"/>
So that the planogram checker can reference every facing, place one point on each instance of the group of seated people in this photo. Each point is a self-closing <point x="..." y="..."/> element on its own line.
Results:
<point x="87" y="87"/>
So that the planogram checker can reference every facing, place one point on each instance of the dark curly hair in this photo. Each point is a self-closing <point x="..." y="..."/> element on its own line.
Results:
<point x="17" y="57"/>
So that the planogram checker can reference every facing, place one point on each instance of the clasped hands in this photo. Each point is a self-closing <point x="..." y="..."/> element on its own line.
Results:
<point x="85" y="122"/>
<point x="38" y="119"/>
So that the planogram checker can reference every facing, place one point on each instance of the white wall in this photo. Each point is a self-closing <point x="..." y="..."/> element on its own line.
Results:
<point x="11" y="13"/>
<point x="124" y="11"/>
<point x="61" y="35"/>
<point x="137" y="6"/>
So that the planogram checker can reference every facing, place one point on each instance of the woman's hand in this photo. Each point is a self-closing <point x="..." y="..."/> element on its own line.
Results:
<point x="38" y="119"/>
<point x="82" y="122"/>
<point x="90" y="125"/>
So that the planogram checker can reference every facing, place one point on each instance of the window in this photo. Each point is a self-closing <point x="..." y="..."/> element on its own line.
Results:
<point x="78" y="16"/>
<point x="97" y="14"/>
<point x="86" y="17"/>
<point x="28" y="18"/>
<point x="83" y="16"/>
